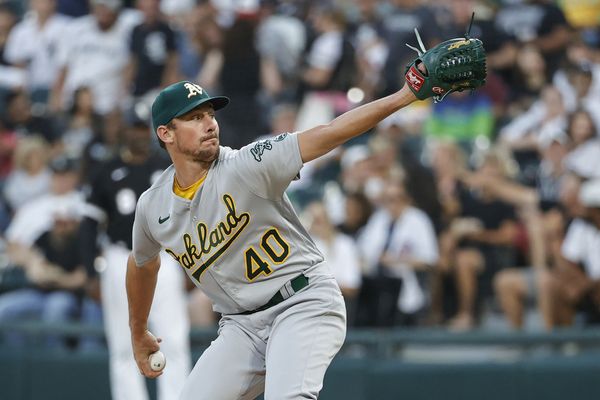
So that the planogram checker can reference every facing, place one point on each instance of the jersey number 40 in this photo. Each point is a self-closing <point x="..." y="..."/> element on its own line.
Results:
<point x="274" y="247"/>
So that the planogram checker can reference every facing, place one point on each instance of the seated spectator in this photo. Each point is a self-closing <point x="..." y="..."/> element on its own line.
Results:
<point x="574" y="286"/>
<point x="579" y="84"/>
<point x="544" y="117"/>
<point x="30" y="179"/>
<point x="479" y="241"/>
<point x="398" y="245"/>
<point x="57" y="277"/>
<point x="339" y="251"/>
<point x="543" y="220"/>
<point x="547" y="117"/>
<point x="35" y="217"/>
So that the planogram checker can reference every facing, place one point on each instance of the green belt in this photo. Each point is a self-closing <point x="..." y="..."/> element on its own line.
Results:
<point x="297" y="284"/>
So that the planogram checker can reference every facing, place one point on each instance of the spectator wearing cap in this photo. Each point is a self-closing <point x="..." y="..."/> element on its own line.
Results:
<point x="575" y="284"/>
<point x="95" y="53"/>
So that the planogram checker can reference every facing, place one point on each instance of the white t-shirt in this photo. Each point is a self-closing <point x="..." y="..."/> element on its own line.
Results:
<point x="326" y="51"/>
<point x="97" y="59"/>
<point x="37" y="216"/>
<point x="20" y="187"/>
<point x="413" y="237"/>
<point x="584" y="160"/>
<point x="37" y="46"/>
<point x="582" y="245"/>
<point x="343" y="260"/>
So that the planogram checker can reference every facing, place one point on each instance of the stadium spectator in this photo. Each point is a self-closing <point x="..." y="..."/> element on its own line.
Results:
<point x="538" y="22"/>
<point x="30" y="178"/>
<point x="575" y="284"/>
<point x="21" y="118"/>
<point x="280" y="41"/>
<point x="153" y="60"/>
<point x="371" y="48"/>
<point x="479" y="241"/>
<point x="199" y="41"/>
<point x="340" y="252"/>
<point x="95" y="54"/>
<point x="329" y="68"/>
<point x="80" y="125"/>
<point x="398" y="246"/>
<point x="399" y="24"/>
<point x="32" y="45"/>
<point x="237" y="72"/>
<point x="36" y="217"/>
<point x="57" y="277"/>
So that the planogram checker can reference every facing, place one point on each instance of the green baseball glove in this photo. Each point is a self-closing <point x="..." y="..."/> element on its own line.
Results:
<point x="451" y="66"/>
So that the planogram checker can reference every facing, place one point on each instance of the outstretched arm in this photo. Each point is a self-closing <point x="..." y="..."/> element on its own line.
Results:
<point x="140" y="283"/>
<point x="322" y="139"/>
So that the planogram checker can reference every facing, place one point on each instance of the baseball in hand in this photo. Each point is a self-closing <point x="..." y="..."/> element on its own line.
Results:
<point x="157" y="361"/>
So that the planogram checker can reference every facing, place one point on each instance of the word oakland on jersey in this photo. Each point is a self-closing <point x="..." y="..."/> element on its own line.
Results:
<point x="239" y="238"/>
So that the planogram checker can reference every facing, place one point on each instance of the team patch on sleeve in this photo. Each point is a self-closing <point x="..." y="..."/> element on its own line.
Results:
<point x="259" y="149"/>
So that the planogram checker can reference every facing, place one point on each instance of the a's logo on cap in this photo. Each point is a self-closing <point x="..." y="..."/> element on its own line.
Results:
<point x="193" y="89"/>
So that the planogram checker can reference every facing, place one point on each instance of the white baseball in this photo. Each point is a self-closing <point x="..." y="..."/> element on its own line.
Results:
<point x="157" y="361"/>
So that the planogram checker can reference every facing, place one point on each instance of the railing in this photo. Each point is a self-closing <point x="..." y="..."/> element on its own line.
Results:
<point x="379" y="343"/>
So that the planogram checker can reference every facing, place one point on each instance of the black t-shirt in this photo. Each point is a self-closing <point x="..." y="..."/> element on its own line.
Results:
<point x="527" y="22"/>
<point x="492" y="214"/>
<point x="116" y="188"/>
<point x="151" y="45"/>
<point x="64" y="254"/>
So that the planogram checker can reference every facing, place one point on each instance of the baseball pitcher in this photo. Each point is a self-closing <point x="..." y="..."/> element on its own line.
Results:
<point x="222" y="214"/>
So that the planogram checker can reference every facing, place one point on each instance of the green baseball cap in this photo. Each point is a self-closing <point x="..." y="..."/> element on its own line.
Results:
<point x="180" y="98"/>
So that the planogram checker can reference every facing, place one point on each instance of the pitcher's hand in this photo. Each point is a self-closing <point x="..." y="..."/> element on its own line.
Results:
<point x="145" y="344"/>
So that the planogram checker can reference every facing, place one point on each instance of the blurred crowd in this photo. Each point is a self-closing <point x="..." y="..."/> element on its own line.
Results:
<point x="487" y="203"/>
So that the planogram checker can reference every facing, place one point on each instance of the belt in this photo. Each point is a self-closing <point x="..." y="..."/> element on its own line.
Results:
<point x="287" y="291"/>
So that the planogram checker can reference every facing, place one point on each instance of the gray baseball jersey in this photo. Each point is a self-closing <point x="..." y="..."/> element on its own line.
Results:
<point x="239" y="238"/>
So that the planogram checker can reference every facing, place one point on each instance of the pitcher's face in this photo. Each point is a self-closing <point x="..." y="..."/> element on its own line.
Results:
<point x="196" y="134"/>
